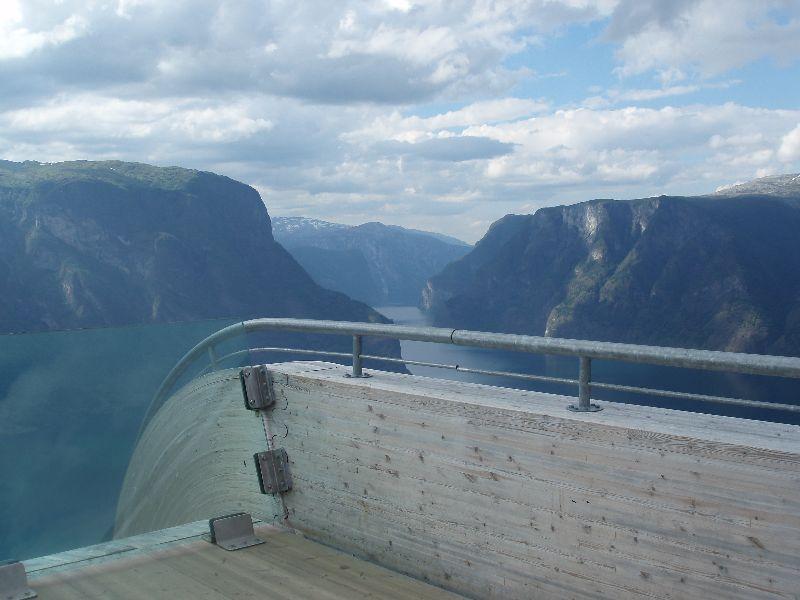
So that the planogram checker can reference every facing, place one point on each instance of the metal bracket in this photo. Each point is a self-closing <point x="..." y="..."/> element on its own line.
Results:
<point x="14" y="581"/>
<point x="272" y="467"/>
<point x="591" y="408"/>
<point x="257" y="388"/>
<point x="233" y="532"/>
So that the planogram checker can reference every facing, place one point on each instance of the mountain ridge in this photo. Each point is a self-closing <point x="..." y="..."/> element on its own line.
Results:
<point x="786" y="185"/>
<point x="719" y="272"/>
<point x="101" y="243"/>
<point x="376" y="263"/>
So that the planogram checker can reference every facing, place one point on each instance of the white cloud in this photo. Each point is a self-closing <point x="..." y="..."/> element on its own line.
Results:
<point x="401" y="5"/>
<point x="704" y="36"/>
<point x="654" y="94"/>
<point x="618" y="96"/>
<point x="736" y="140"/>
<point x="396" y="52"/>
<point x="422" y="46"/>
<point x="399" y="109"/>
<point x="458" y="166"/>
<point x="88" y="121"/>
<point x="790" y="146"/>
<point x="648" y="146"/>
<point x="125" y="7"/>
<point x="18" y="41"/>
<point x="394" y="126"/>
<point x="558" y="156"/>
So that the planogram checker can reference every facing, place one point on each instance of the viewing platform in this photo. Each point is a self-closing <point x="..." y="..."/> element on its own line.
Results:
<point x="399" y="486"/>
<point x="180" y="563"/>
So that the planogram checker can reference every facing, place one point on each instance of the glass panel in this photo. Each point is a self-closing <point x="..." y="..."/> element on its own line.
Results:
<point x="71" y="407"/>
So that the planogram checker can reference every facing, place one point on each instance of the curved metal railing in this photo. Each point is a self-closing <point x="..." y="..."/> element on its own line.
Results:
<point x="584" y="351"/>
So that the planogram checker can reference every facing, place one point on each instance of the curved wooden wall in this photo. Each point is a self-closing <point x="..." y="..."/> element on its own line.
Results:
<point x="195" y="460"/>
<point x="487" y="491"/>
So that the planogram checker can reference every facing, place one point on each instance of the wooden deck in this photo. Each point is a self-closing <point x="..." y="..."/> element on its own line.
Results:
<point x="286" y="566"/>
<point x="486" y="491"/>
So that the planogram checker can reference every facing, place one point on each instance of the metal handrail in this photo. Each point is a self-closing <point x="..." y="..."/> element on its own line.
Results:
<point x="585" y="351"/>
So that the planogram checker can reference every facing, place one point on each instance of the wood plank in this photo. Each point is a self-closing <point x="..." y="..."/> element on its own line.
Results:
<point x="490" y="492"/>
<point x="111" y="550"/>
<point x="624" y="503"/>
<point x="287" y="566"/>
<point x="609" y="520"/>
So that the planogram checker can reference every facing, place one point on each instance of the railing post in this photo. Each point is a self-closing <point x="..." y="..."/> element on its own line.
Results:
<point x="357" y="356"/>
<point x="584" y="388"/>
<point x="212" y="357"/>
<point x="357" y="370"/>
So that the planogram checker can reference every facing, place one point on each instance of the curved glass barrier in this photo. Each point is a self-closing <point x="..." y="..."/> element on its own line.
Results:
<point x="71" y="408"/>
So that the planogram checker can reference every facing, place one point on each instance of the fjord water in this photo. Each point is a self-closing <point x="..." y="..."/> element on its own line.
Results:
<point x="71" y="404"/>
<point x="751" y="387"/>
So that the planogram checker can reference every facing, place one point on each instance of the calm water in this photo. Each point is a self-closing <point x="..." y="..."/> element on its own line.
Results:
<point x="71" y="403"/>
<point x="688" y="380"/>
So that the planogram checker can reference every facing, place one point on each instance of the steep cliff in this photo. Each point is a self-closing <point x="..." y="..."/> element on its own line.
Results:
<point x="719" y="272"/>
<point x="88" y="244"/>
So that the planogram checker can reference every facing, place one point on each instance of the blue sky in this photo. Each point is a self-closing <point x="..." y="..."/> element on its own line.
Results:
<point x="580" y="58"/>
<point x="439" y="115"/>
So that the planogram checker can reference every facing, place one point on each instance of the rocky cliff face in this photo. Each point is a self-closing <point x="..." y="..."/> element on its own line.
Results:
<point x="375" y="263"/>
<point x="88" y="244"/>
<point x="439" y="289"/>
<point x="719" y="272"/>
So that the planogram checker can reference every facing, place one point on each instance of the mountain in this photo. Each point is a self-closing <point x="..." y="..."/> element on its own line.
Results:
<point x="100" y="244"/>
<point x="375" y="263"/>
<point x="787" y="186"/>
<point x="719" y="272"/>
<point x="89" y="244"/>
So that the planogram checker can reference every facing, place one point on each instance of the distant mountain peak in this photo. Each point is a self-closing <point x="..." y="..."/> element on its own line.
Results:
<point x="774" y="185"/>
<point x="299" y="225"/>
<point x="377" y="263"/>
<point x="296" y="224"/>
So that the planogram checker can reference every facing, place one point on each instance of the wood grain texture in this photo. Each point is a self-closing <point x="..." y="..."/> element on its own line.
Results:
<point x="286" y="567"/>
<point x="499" y="493"/>
<point x="491" y="492"/>
<point x="97" y="553"/>
<point x="195" y="461"/>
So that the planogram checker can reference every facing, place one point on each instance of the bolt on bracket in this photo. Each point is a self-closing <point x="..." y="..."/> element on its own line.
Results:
<point x="257" y="387"/>
<point x="272" y="468"/>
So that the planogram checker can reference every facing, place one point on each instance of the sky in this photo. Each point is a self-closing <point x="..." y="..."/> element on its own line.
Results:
<point x="439" y="115"/>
